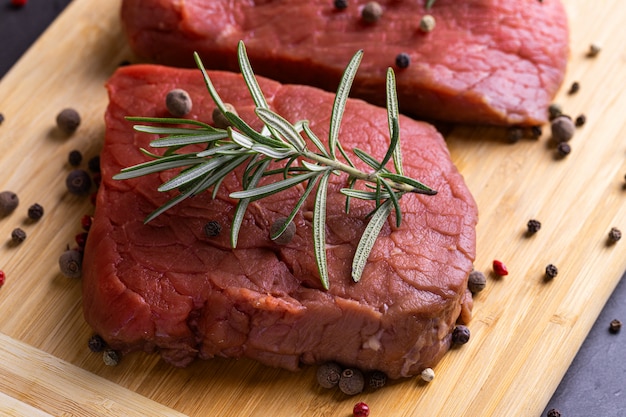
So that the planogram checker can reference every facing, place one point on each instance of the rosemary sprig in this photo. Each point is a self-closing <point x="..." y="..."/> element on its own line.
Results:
<point x="279" y="141"/>
<point x="429" y="4"/>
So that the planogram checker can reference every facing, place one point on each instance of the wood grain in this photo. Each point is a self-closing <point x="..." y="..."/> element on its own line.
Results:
<point x="525" y="332"/>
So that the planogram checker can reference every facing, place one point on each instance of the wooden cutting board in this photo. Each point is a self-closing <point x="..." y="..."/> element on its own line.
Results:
<point x="525" y="332"/>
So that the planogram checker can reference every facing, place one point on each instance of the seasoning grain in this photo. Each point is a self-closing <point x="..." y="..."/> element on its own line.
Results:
<point x="553" y="412"/>
<point x="8" y="202"/>
<point x="427" y="23"/>
<point x="328" y="374"/>
<point x="614" y="235"/>
<point x="360" y="410"/>
<point x="178" y="102"/>
<point x="219" y="120"/>
<point x="574" y="88"/>
<point x="18" y="236"/>
<point x="460" y="335"/>
<point x="555" y="110"/>
<point x="551" y="272"/>
<point x="70" y="263"/>
<point x="581" y="119"/>
<point x="75" y="158"/>
<point x="476" y="282"/>
<point x="372" y="12"/>
<point x="68" y="120"/>
<point x="78" y="182"/>
<point x="533" y="226"/>
<point x="341" y="4"/>
<point x="615" y="326"/>
<point x="427" y="375"/>
<point x="96" y="343"/>
<point x="403" y="60"/>
<point x="212" y="228"/>
<point x="594" y="50"/>
<point x="35" y="212"/>
<point x="563" y="149"/>
<point x="377" y="379"/>
<point x="111" y="357"/>
<point x="352" y="381"/>
<point x="287" y="235"/>
<point x="562" y="129"/>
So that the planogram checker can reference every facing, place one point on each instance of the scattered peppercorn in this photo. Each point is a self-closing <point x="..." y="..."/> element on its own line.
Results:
<point x="75" y="158"/>
<point x="70" y="263"/>
<point x="533" y="226"/>
<point x="594" y="49"/>
<point x="3" y="278"/>
<point x="68" y="120"/>
<point x="476" y="282"/>
<point x="499" y="268"/>
<point x="551" y="271"/>
<point x="1" y="118"/>
<point x="460" y="334"/>
<point x="178" y="102"/>
<point x="536" y="131"/>
<point x="212" y="228"/>
<point x="351" y="381"/>
<point x="615" y="326"/>
<point x="96" y="343"/>
<point x="94" y="164"/>
<point x="110" y="357"/>
<point x="219" y="120"/>
<point x="563" y="149"/>
<point x="553" y="412"/>
<point x="328" y="374"/>
<point x="287" y="235"/>
<point x="361" y="410"/>
<point x="81" y="239"/>
<point x="555" y="110"/>
<point x="615" y="234"/>
<point x="341" y="4"/>
<point x="574" y="87"/>
<point x="562" y="129"/>
<point x="514" y="134"/>
<point x="8" y="202"/>
<point x="372" y="12"/>
<point x="35" y="212"/>
<point x="86" y="222"/>
<point x="427" y="374"/>
<point x="78" y="182"/>
<point x="403" y="60"/>
<point x="581" y="119"/>
<point x="377" y="379"/>
<point x="18" y="236"/>
<point x="427" y="23"/>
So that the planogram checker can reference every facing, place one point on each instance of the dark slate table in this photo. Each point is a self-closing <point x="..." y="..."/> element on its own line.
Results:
<point x="594" y="385"/>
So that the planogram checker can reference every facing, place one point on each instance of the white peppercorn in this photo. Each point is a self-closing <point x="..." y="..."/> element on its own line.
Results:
<point x="428" y="374"/>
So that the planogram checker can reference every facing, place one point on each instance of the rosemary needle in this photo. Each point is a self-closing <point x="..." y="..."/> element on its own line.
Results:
<point x="279" y="141"/>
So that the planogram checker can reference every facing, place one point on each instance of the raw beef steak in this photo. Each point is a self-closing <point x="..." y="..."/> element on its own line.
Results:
<point x="166" y="286"/>
<point x="486" y="61"/>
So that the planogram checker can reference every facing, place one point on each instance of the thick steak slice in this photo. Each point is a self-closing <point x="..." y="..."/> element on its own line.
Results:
<point x="166" y="286"/>
<point x="487" y="61"/>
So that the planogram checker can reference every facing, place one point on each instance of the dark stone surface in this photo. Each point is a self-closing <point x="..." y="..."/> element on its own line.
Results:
<point x="595" y="384"/>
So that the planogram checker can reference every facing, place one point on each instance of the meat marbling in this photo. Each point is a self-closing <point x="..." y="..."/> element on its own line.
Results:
<point x="165" y="286"/>
<point x="486" y="61"/>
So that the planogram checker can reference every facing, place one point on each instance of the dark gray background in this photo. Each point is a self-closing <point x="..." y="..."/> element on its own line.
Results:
<point x="595" y="384"/>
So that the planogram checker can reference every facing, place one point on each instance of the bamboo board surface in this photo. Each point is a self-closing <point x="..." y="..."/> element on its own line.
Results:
<point x="525" y="332"/>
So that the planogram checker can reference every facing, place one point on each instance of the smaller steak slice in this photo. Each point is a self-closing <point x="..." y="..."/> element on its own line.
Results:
<point x="166" y="286"/>
<point x="487" y="61"/>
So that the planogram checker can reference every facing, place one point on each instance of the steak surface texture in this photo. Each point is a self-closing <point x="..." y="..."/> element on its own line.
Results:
<point x="486" y="61"/>
<point x="166" y="286"/>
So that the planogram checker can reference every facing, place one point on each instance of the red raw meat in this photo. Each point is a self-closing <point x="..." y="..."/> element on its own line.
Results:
<point x="165" y="286"/>
<point x="487" y="61"/>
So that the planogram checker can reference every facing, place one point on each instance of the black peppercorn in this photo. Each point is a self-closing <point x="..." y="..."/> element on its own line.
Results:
<point x="551" y="271"/>
<point x="219" y="120"/>
<point x="94" y="164"/>
<point x="533" y="226"/>
<point x="555" y="110"/>
<point x="615" y="326"/>
<point x="75" y="158"/>
<point x="68" y="120"/>
<point x="403" y="60"/>
<point x="372" y="12"/>
<point x="78" y="182"/>
<point x="8" y="202"/>
<point x="460" y="335"/>
<point x="70" y="263"/>
<point x="574" y="87"/>
<point x="178" y="102"/>
<point x="476" y="282"/>
<point x="287" y="235"/>
<point x="18" y="236"/>
<point x="341" y="4"/>
<point x="328" y="374"/>
<point x="563" y="149"/>
<point x="377" y="379"/>
<point x="536" y="131"/>
<point x="1" y="118"/>
<point x="553" y="412"/>
<point x="562" y="129"/>
<point x="581" y="119"/>
<point x="35" y="212"/>
<point x="352" y="381"/>
<point x="615" y="234"/>
<point x="594" y="49"/>
<point x="514" y="134"/>
<point x="110" y="357"/>
<point x="96" y="343"/>
<point x="212" y="228"/>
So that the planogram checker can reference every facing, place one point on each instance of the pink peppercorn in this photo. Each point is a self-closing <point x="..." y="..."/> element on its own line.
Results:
<point x="86" y="221"/>
<point x="3" y="277"/>
<point x="361" y="410"/>
<point x="81" y="239"/>
<point x="499" y="268"/>
<point x="18" y="3"/>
